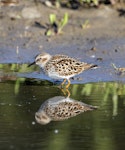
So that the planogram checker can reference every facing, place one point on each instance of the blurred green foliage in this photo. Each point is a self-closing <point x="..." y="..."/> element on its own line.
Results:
<point x="56" y="26"/>
<point x="106" y="91"/>
<point x="8" y="72"/>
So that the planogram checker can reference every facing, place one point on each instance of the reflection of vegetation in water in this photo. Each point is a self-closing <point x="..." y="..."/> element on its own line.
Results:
<point x="112" y="89"/>
<point x="16" y="67"/>
<point x="17" y="84"/>
<point x="11" y="69"/>
<point x="106" y="91"/>
<point x="21" y="69"/>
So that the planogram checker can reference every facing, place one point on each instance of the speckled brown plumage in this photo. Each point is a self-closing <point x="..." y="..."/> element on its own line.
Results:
<point x="66" y="66"/>
<point x="60" y="108"/>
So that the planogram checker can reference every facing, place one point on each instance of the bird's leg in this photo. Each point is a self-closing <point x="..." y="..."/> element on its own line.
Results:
<point x="63" y="91"/>
<point x="67" y="86"/>
<point x="66" y="92"/>
<point x="63" y="82"/>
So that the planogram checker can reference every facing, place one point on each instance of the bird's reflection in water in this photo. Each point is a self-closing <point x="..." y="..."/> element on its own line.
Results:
<point x="60" y="108"/>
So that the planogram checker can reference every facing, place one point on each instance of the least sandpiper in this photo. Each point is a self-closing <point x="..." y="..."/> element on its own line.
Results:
<point x="61" y="66"/>
<point x="60" y="108"/>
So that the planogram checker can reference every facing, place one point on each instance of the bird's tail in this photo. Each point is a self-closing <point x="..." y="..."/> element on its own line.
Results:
<point x="87" y="107"/>
<point x="93" y="66"/>
<point x="90" y="66"/>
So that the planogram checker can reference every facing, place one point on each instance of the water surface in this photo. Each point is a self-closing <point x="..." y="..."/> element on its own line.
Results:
<point x="99" y="129"/>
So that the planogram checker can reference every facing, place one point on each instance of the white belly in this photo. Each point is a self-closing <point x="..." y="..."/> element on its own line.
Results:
<point x="55" y="75"/>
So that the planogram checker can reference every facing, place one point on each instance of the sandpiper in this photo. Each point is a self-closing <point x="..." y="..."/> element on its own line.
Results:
<point x="61" y="66"/>
<point x="60" y="108"/>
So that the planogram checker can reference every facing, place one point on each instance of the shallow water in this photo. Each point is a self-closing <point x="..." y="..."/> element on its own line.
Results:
<point x="98" y="129"/>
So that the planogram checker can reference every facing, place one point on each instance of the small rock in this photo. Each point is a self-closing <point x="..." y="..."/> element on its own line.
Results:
<point x="30" y="13"/>
<point x="48" y="4"/>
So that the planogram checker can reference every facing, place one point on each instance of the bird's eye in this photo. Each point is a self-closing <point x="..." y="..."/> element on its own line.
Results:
<point x="38" y="59"/>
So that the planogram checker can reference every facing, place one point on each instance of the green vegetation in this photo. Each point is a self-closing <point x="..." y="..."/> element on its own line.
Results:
<point x="86" y="24"/>
<point x="56" y="26"/>
<point x="13" y="68"/>
<point x="10" y="72"/>
<point x="106" y="91"/>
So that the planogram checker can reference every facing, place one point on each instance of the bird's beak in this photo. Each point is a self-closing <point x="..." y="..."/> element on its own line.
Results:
<point x="31" y="64"/>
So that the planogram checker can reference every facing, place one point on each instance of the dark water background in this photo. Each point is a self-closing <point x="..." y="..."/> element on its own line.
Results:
<point x="102" y="129"/>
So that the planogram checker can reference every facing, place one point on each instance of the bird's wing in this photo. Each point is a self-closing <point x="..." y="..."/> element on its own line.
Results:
<point x="66" y="65"/>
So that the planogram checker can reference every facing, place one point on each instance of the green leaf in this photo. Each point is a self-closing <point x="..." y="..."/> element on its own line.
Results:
<point x="85" y="24"/>
<point x="52" y="18"/>
<point x="95" y="2"/>
<point x="49" y="33"/>
<point x="64" y="21"/>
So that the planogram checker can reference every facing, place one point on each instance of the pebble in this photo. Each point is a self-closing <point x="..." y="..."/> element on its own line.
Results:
<point x="30" y="13"/>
